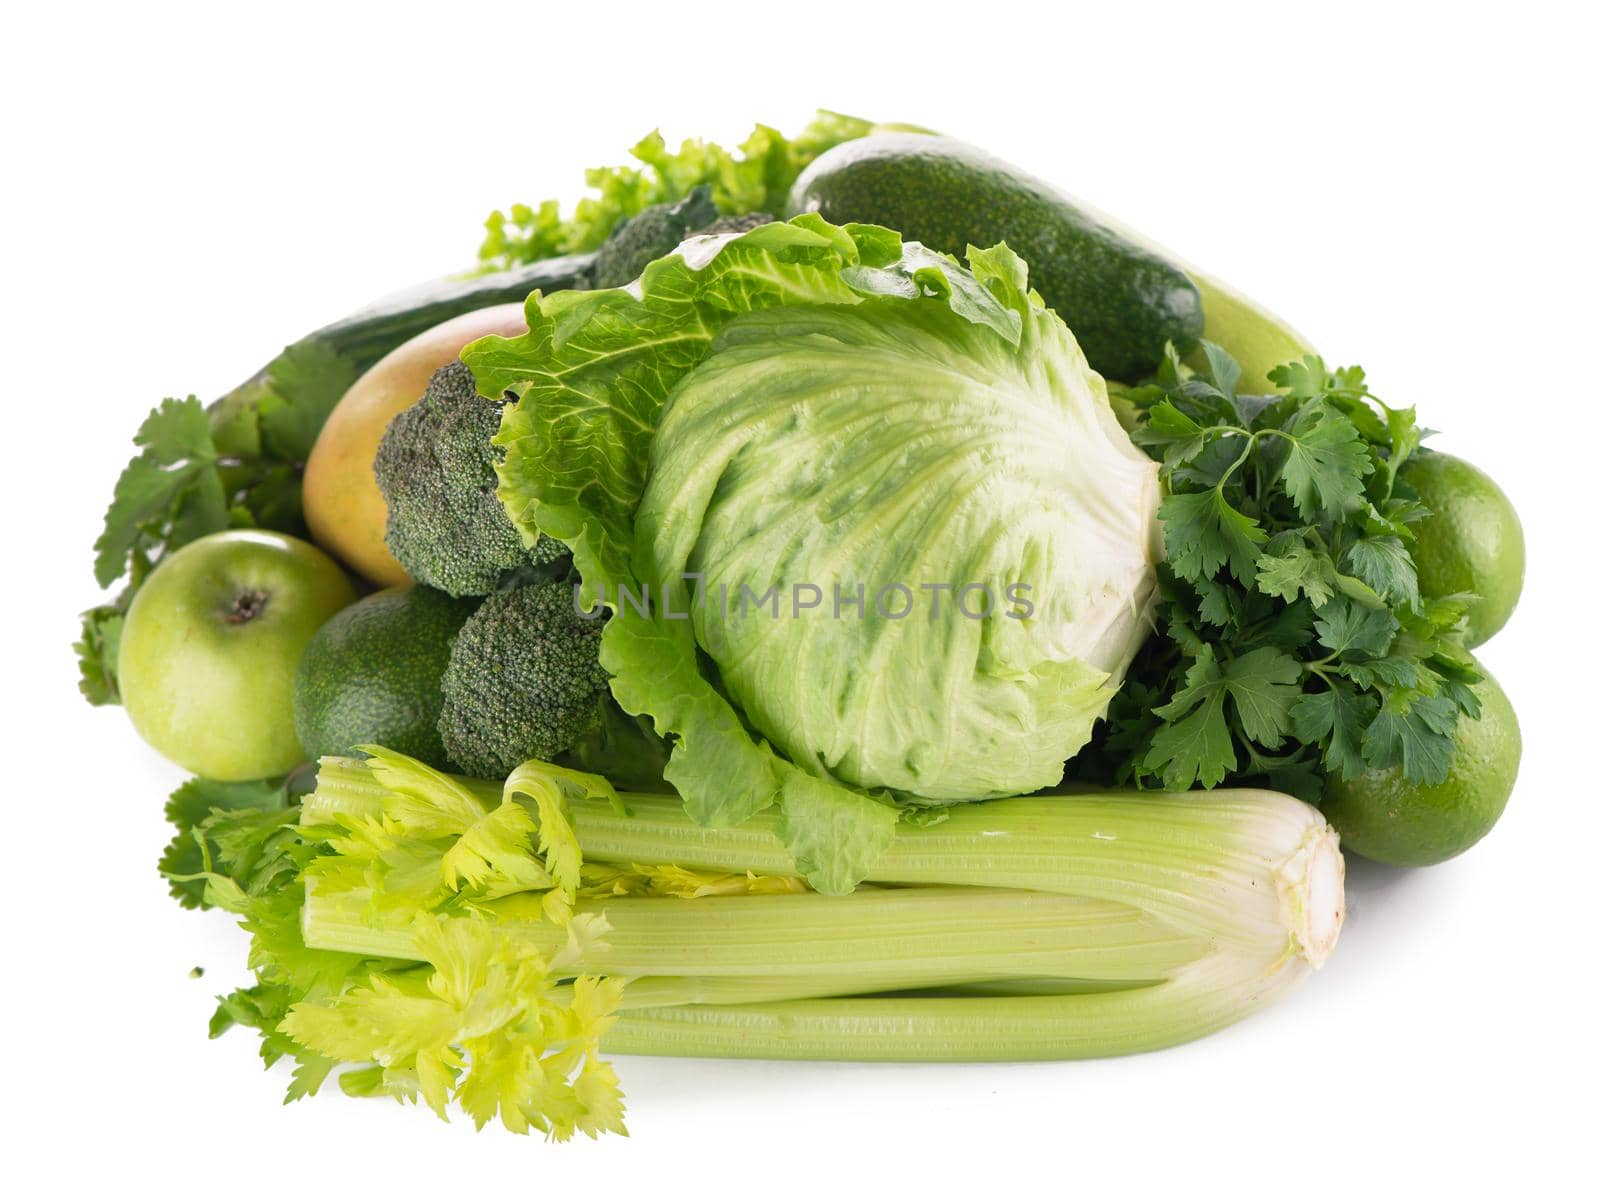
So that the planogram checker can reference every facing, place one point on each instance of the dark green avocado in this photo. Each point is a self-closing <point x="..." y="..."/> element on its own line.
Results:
<point x="371" y="675"/>
<point x="1122" y="301"/>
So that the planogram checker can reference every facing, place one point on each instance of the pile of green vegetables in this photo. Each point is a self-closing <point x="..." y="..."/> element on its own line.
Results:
<point x="875" y="608"/>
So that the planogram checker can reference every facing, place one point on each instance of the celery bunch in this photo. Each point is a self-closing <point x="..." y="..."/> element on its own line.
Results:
<point x="456" y="940"/>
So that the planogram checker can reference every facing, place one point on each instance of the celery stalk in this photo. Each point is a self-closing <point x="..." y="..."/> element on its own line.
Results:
<point x="1203" y="997"/>
<point x="811" y="945"/>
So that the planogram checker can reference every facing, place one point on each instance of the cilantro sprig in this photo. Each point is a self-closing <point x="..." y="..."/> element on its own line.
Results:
<point x="1292" y="641"/>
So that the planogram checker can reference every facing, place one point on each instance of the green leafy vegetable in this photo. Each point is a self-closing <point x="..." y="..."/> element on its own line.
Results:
<point x="472" y="1016"/>
<point x="170" y="492"/>
<point x="812" y="410"/>
<point x="1292" y="640"/>
<point x="479" y="1026"/>
<point x="754" y="177"/>
<point x="222" y="828"/>
<point x="97" y="648"/>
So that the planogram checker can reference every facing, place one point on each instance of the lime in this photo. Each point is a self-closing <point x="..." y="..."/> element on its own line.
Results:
<point x="1385" y="817"/>
<point x="1471" y="543"/>
<point x="371" y="675"/>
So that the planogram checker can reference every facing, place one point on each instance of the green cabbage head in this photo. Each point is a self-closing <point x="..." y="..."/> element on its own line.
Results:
<point x="897" y="549"/>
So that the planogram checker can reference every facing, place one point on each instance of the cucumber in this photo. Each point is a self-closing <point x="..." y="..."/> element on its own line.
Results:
<point x="1123" y="300"/>
<point x="374" y="331"/>
<point x="360" y="340"/>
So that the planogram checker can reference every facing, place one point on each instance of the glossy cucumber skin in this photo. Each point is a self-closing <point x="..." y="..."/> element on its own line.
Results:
<point x="1122" y="300"/>
<point x="371" y="333"/>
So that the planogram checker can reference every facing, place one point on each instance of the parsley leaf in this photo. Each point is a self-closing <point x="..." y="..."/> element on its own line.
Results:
<point x="1350" y="627"/>
<point x="1292" y="568"/>
<point x="1416" y="734"/>
<point x="177" y="450"/>
<point x="1204" y="532"/>
<point x="303" y="385"/>
<point x="1336" y="720"/>
<point x="1385" y="564"/>
<point x="1264" y="684"/>
<point x="97" y="649"/>
<point x="219" y="827"/>
<point x="1194" y="744"/>
<point x="1327" y="461"/>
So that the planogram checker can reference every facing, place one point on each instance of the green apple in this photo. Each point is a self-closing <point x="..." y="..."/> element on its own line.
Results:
<point x="209" y="650"/>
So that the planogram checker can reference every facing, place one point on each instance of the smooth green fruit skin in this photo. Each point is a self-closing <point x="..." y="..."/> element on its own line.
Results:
<point x="1472" y="542"/>
<point x="1384" y="817"/>
<point x="210" y="647"/>
<point x="371" y="675"/>
<point x="1122" y="300"/>
<point x="1257" y="339"/>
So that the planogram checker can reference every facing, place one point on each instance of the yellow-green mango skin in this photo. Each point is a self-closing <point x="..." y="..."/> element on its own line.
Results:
<point x="1255" y="337"/>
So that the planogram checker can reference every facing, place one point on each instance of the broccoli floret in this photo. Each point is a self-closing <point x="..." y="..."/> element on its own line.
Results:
<point x="735" y="223"/>
<point x="435" y="465"/>
<point x="524" y="681"/>
<point x="648" y="236"/>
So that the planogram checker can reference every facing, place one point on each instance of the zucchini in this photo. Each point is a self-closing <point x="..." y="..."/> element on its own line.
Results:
<point x="1123" y="300"/>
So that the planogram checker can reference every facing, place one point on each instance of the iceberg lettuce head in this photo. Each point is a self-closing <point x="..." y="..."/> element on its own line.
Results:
<point x="870" y="533"/>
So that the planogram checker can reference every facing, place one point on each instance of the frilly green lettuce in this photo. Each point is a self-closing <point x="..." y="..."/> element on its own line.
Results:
<point x="755" y="176"/>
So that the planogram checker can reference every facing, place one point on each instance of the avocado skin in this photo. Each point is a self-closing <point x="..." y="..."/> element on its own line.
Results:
<point x="1122" y="301"/>
<point x="371" y="675"/>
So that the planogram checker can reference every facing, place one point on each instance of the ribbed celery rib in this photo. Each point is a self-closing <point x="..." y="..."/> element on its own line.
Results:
<point x="874" y="940"/>
<point x="1184" y="856"/>
<point x="1196" y="858"/>
<point x="1201" y="998"/>
<point x="1177" y="913"/>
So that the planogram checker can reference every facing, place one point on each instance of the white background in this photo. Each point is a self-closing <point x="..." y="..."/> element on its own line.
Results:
<point x="189" y="189"/>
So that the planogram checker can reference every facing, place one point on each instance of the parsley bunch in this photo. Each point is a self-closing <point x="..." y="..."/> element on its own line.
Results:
<point x="1292" y="642"/>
